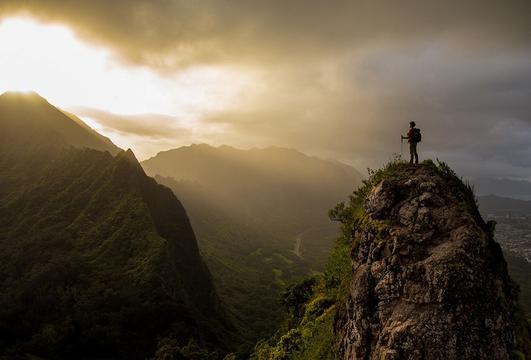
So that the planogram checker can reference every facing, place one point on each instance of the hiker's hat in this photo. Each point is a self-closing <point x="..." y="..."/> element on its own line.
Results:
<point x="412" y="123"/>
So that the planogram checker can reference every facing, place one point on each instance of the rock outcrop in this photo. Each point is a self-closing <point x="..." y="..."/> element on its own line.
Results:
<point x="428" y="280"/>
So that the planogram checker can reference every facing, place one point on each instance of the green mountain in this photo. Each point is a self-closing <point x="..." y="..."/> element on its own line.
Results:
<point x="260" y="218"/>
<point x="97" y="260"/>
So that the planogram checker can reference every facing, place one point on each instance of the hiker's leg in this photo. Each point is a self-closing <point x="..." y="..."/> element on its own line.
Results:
<point x="411" y="152"/>
<point x="416" y="154"/>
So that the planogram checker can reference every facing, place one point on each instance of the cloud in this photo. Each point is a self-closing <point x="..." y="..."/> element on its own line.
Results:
<point x="154" y="126"/>
<point x="146" y="134"/>
<point x="169" y="34"/>
<point x="356" y="107"/>
<point x="340" y="78"/>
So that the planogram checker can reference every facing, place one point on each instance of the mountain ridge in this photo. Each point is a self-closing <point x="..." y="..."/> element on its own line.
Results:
<point x="29" y="120"/>
<point x="503" y="187"/>
<point x="238" y="157"/>
<point x="499" y="204"/>
<point x="98" y="260"/>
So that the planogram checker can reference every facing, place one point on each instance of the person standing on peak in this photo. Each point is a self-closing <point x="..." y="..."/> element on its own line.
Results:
<point x="413" y="138"/>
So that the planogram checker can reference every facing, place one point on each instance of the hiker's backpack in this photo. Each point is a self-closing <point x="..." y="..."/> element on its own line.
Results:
<point x="417" y="136"/>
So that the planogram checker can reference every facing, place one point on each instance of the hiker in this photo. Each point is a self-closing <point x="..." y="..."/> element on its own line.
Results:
<point x="413" y="138"/>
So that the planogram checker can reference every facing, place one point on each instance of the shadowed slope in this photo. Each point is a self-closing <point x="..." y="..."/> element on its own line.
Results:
<point x="97" y="260"/>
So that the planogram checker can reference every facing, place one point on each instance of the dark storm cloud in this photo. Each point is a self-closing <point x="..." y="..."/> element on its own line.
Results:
<point x="473" y="105"/>
<point x="165" y="33"/>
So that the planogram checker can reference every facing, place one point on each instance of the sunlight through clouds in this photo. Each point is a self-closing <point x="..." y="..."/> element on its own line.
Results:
<point x="50" y="60"/>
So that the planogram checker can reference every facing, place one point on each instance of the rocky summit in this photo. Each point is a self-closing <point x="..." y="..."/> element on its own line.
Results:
<point x="428" y="280"/>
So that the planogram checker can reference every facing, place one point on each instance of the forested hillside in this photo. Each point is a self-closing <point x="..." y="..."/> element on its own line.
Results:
<point x="97" y="260"/>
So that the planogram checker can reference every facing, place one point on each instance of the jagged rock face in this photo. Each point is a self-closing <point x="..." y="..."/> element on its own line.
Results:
<point x="429" y="282"/>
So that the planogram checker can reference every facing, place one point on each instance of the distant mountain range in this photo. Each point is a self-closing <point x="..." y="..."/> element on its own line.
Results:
<point x="519" y="189"/>
<point x="261" y="219"/>
<point x="97" y="260"/>
<point x="498" y="205"/>
<point x="275" y="190"/>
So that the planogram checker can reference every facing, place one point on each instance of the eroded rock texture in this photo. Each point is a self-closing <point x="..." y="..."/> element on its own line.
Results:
<point x="429" y="282"/>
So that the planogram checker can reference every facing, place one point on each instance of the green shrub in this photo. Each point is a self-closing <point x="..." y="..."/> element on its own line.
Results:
<point x="316" y="307"/>
<point x="296" y="296"/>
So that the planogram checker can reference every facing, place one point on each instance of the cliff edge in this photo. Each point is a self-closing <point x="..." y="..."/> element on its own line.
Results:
<point x="415" y="275"/>
<point x="428" y="280"/>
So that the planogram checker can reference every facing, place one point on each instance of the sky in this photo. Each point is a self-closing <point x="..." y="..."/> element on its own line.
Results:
<point x="337" y="79"/>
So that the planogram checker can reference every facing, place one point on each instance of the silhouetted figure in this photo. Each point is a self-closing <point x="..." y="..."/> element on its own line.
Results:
<point x="413" y="138"/>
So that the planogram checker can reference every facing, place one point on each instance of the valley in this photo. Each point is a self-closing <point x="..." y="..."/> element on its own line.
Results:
<point x="260" y="216"/>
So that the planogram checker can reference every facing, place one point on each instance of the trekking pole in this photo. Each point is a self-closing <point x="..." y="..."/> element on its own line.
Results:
<point x="401" y="145"/>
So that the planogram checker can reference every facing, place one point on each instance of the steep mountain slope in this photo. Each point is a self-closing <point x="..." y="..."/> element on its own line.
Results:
<point x="97" y="260"/>
<point x="417" y="275"/>
<point x="260" y="218"/>
<point x="249" y="265"/>
<point x="429" y="280"/>
<point x="29" y="121"/>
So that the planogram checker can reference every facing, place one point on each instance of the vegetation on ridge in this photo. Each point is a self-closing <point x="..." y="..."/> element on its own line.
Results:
<point x="98" y="260"/>
<point x="90" y="267"/>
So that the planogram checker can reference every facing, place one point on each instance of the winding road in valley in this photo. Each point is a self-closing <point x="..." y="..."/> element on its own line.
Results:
<point x="298" y="242"/>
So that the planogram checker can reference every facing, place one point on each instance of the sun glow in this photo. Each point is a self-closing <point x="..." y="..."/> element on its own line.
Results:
<point x="50" y="60"/>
